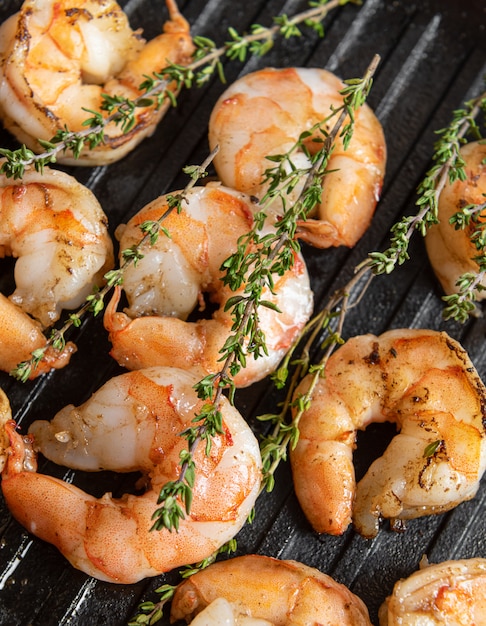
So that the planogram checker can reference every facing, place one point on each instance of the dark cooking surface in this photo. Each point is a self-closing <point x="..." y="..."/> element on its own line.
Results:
<point x="433" y="59"/>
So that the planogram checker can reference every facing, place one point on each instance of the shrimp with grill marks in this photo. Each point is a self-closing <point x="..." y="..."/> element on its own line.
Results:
<point x="59" y="57"/>
<point x="425" y="383"/>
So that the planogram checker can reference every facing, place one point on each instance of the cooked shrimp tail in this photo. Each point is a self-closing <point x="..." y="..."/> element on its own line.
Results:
<point x="21" y="337"/>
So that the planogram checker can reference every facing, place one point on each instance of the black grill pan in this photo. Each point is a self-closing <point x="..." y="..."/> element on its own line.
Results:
<point x="432" y="60"/>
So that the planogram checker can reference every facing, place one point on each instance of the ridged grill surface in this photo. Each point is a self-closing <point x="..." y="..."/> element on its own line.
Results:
<point x="432" y="60"/>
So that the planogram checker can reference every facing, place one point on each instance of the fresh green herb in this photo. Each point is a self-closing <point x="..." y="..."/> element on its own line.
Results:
<point x="432" y="448"/>
<point x="258" y="258"/>
<point x="447" y="166"/>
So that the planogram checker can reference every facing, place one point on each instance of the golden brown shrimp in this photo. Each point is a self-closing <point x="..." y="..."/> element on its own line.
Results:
<point x="264" y="113"/>
<point x="451" y="252"/>
<point x="132" y="423"/>
<point x="259" y="589"/>
<point x="424" y="382"/>
<point x="57" y="58"/>
<point x="171" y="278"/>
<point x="452" y="593"/>
<point x="56" y="230"/>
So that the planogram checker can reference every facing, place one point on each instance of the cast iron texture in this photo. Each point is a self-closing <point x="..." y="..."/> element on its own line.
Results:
<point x="432" y="60"/>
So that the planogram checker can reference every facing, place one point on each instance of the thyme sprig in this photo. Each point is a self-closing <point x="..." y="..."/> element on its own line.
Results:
<point x="95" y="301"/>
<point x="269" y="255"/>
<point x="447" y="166"/>
<point x="163" y="86"/>
<point x="250" y="271"/>
<point x="326" y="327"/>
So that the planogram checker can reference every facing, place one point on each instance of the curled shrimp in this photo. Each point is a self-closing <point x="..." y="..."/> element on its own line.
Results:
<point x="264" y="113"/>
<point x="452" y="593"/>
<point x="257" y="588"/>
<point x="56" y="230"/>
<point x="451" y="251"/>
<point x="425" y="383"/>
<point x="133" y="423"/>
<point x="57" y="58"/>
<point x="170" y="281"/>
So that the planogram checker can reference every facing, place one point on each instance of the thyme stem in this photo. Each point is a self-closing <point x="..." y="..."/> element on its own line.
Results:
<point x="448" y="166"/>
<point x="330" y="320"/>
<point x="272" y="254"/>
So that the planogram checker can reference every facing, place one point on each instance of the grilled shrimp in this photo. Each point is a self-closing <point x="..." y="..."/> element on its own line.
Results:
<point x="257" y="589"/>
<point x="133" y="423"/>
<point x="451" y="252"/>
<point x="452" y="593"/>
<point x="425" y="383"/>
<point x="264" y="113"/>
<point x="172" y="277"/>
<point x="57" y="58"/>
<point x="56" y="230"/>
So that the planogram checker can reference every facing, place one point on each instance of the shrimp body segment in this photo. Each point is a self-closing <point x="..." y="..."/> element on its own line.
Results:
<point x="425" y="383"/>
<point x="451" y="252"/>
<point x="133" y="423"/>
<point x="20" y="336"/>
<point x="265" y="590"/>
<point x="57" y="58"/>
<point x="452" y="593"/>
<point x="56" y="230"/>
<point x="175" y="274"/>
<point x="263" y="114"/>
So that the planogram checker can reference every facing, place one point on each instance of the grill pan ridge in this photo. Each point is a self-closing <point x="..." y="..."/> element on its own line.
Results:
<point x="432" y="60"/>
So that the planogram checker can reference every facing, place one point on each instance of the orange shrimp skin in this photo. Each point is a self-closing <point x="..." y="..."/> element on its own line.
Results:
<point x="280" y="591"/>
